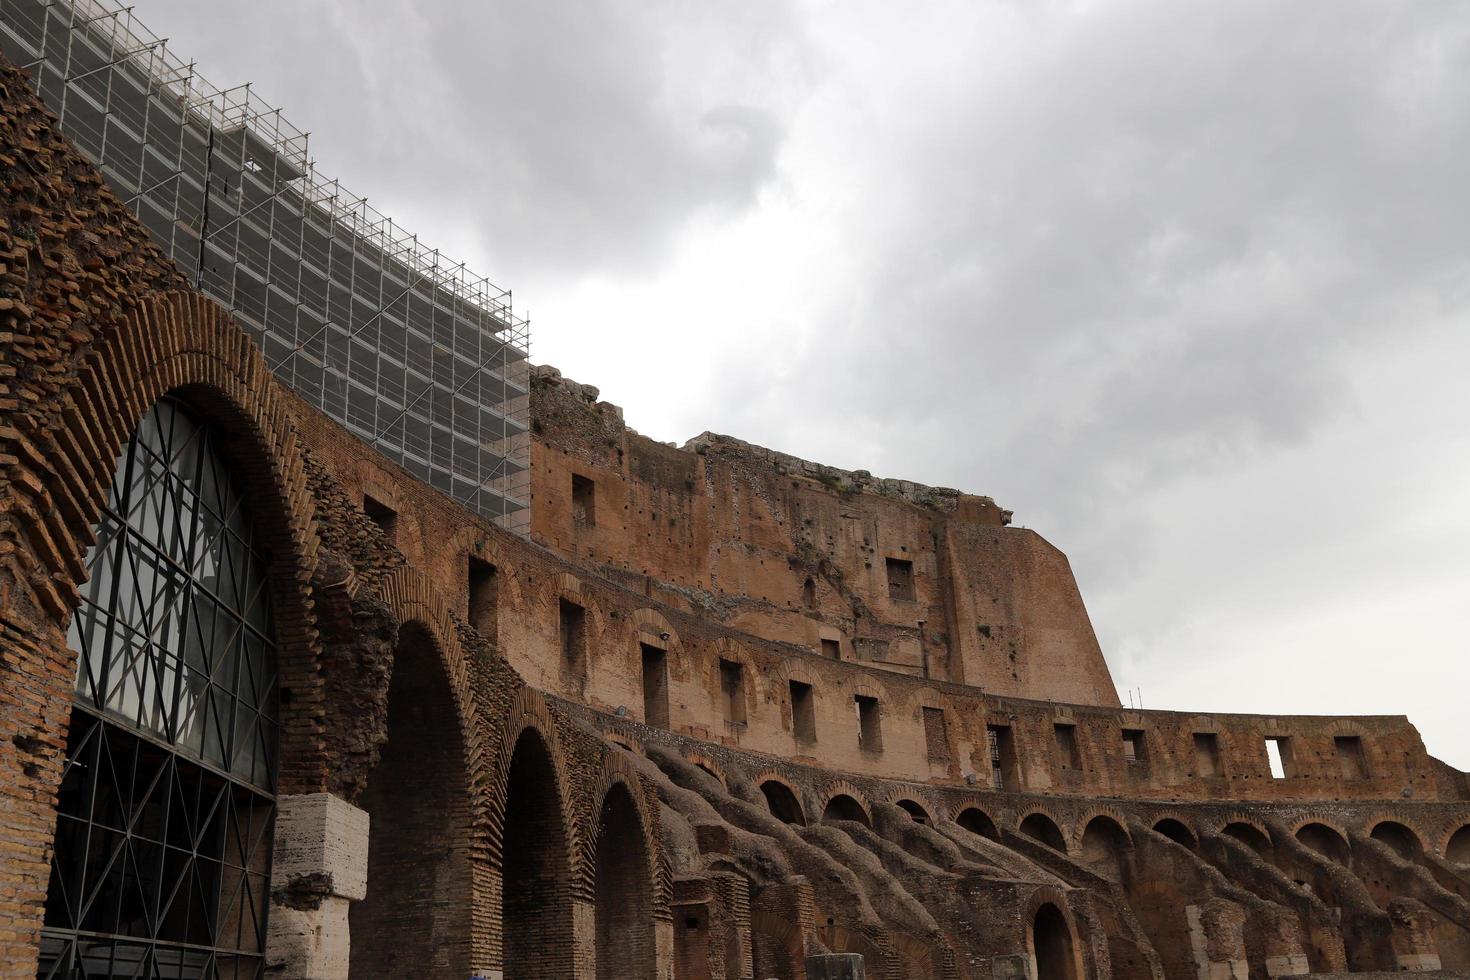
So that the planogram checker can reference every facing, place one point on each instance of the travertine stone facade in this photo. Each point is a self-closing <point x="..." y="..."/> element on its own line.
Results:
<point x="726" y="711"/>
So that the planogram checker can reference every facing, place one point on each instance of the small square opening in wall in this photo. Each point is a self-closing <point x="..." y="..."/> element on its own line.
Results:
<point x="584" y="502"/>
<point x="1278" y="756"/>
<point x="1350" y="759"/>
<point x="732" y="691"/>
<point x="870" y="724"/>
<point x="382" y="515"/>
<point x="1066" y="739"/>
<point x="832" y="649"/>
<point x="1135" y="747"/>
<point x="803" y="712"/>
<point x="900" y="579"/>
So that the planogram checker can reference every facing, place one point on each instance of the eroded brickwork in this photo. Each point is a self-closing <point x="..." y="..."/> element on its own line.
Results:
<point x="883" y="725"/>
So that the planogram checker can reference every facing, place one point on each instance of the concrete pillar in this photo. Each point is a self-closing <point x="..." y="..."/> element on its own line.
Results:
<point x="1217" y="939"/>
<point x="835" y="966"/>
<point x="1414" y="946"/>
<point x="319" y="869"/>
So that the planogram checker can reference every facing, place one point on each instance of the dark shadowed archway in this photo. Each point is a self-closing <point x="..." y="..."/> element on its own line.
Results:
<point x="1457" y="850"/>
<point x="1104" y="847"/>
<point x="978" y="822"/>
<point x="535" y="894"/>
<point x="1052" y="942"/>
<point x="1399" y="837"/>
<point x="844" y="807"/>
<point x="1249" y="835"/>
<point x="1325" y="841"/>
<point x="914" y="810"/>
<point x="1177" y="832"/>
<point x="783" y="804"/>
<point x="416" y="916"/>
<point x="625" y="942"/>
<point x="1038" y="826"/>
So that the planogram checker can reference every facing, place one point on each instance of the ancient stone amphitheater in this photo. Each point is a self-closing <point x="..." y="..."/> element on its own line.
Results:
<point x="720" y="713"/>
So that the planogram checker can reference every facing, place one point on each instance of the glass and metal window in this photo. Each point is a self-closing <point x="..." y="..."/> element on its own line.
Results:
<point x="167" y="801"/>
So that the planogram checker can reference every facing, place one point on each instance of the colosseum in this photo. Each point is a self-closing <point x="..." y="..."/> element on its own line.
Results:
<point x="338" y="640"/>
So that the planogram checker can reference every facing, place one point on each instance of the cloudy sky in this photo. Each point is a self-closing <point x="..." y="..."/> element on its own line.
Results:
<point x="1183" y="284"/>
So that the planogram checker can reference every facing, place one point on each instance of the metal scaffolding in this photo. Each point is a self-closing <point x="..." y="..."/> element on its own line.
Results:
<point x="416" y="355"/>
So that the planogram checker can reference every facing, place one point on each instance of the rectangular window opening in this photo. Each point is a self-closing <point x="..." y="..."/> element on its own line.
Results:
<point x="1350" y="758"/>
<point x="573" y="639"/>
<point x="382" y="515"/>
<point x="1206" y="755"/>
<point x="584" y="502"/>
<point x="803" y="712"/>
<point x="936" y="736"/>
<point x="1278" y="756"/>
<point x="1135" y="747"/>
<point x="900" y="579"/>
<point x="870" y="725"/>
<point x="1066" y="739"/>
<point x="655" y="686"/>
<point x="484" y="597"/>
<point x="732" y="690"/>
<point x="1002" y="756"/>
<point x="832" y="649"/>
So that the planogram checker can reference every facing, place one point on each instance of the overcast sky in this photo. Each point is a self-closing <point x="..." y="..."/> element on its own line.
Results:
<point x="1185" y="285"/>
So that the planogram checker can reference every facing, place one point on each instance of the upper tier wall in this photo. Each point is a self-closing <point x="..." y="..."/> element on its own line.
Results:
<point x="587" y="634"/>
<point x="917" y="580"/>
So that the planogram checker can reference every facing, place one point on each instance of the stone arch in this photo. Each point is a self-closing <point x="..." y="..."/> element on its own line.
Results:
<point x="57" y="461"/>
<point x="1103" y="845"/>
<point x="534" y="844"/>
<point x="1041" y="826"/>
<point x="421" y="832"/>
<point x="782" y="800"/>
<point x="845" y="806"/>
<point x="751" y="674"/>
<point x="978" y="822"/>
<point x="914" y="809"/>
<point x="1250" y="833"/>
<point x="1325" y="839"/>
<point x="1399" y="836"/>
<point x="711" y="767"/>
<point x="631" y="886"/>
<point x="1052" y="940"/>
<point x="1456" y="848"/>
<point x="183" y="345"/>
<point x="1177" y="831"/>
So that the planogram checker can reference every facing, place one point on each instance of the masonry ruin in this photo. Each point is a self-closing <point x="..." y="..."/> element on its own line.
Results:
<point x="276" y="704"/>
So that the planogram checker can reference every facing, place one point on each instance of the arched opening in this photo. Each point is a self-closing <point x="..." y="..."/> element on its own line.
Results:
<point x="1051" y="941"/>
<point x="625" y="944"/>
<point x="782" y="803"/>
<point x="173" y="723"/>
<point x="844" y="807"/>
<point x="809" y="594"/>
<point x="1325" y="841"/>
<point x="1249" y="835"/>
<point x="1457" y="851"/>
<point x="1104" y="846"/>
<point x="1039" y="826"/>
<point x="535" y="905"/>
<point x="977" y="821"/>
<point x="1399" y="837"/>
<point x="1177" y="832"/>
<point x="916" y="812"/>
<point x="416" y="916"/>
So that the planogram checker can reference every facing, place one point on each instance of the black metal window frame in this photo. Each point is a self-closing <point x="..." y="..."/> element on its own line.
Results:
<point x="166" y="809"/>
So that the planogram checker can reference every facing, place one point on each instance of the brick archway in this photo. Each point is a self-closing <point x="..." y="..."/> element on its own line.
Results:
<point x="59" y="453"/>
